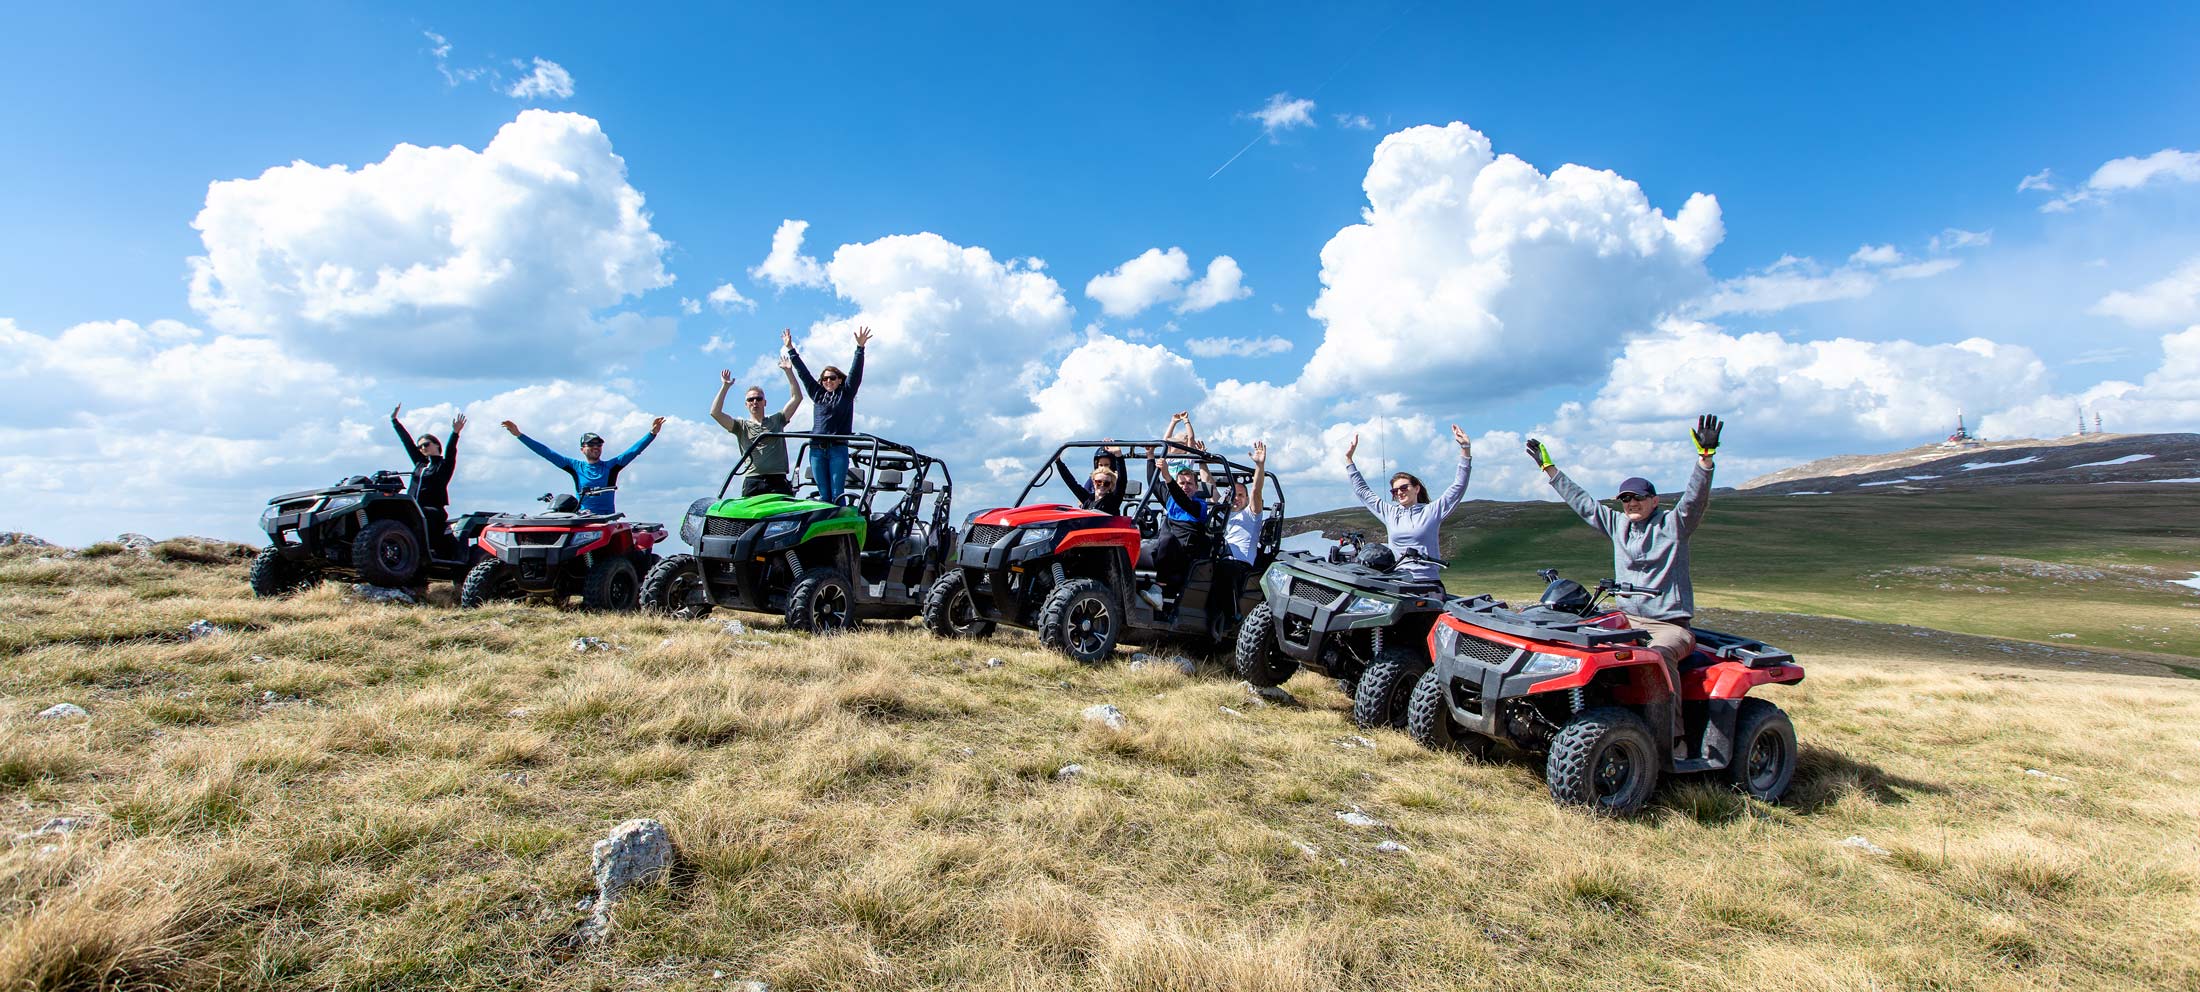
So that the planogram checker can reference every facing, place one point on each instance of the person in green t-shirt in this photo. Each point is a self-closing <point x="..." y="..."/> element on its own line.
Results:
<point x="768" y="462"/>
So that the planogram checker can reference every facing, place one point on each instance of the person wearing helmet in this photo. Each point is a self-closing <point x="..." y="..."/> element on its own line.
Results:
<point x="1650" y="548"/>
<point x="595" y="478"/>
<point x="1411" y="519"/>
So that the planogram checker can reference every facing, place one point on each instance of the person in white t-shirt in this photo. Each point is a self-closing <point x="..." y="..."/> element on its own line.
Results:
<point x="1241" y="537"/>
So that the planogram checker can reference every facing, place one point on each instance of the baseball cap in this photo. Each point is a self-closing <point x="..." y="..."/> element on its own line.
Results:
<point x="1639" y="486"/>
<point x="590" y="438"/>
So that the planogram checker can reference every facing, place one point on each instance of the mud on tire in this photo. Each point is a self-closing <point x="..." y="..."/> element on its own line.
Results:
<point x="1257" y="659"/>
<point x="1381" y="697"/>
<point x="1605" y="759"/>
<point x="1081" y="618"/>
<point x="948" y="610"/>
<point x="822" y="602"/>
<point x="674" y="588"/>
<point x="274" y="575"/>
<point x="488" y="581"/>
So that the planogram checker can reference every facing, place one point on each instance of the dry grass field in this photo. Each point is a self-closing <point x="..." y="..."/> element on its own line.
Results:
<point x="336" y="795"/>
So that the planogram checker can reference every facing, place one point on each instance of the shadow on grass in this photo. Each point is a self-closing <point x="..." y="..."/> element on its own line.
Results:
<point x="1824" y="777"/>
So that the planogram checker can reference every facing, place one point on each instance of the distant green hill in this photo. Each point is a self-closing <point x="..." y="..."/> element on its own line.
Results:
<point x="2028" y="562"/>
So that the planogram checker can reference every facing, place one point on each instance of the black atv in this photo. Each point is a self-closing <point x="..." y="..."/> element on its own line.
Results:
<point x="1347" y="616"/>
<point x="367" y="527"/>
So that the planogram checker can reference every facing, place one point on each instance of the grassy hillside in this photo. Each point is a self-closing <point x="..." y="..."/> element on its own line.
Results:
<point x="2027" y="562"/>
<point x="332" y="795"/>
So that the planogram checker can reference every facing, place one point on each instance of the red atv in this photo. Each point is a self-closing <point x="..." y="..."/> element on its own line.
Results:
<point x="1569" y="678"/>
<point x="1080" y="577"/>
<point x="600" y="557"/>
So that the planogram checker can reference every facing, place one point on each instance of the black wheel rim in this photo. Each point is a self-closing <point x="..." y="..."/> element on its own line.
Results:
<point x="1615" y="771"/>
<point x="1767" y="755"/>
<point x="962" y="613"/>
<point x="830" y="609"/>
<point x="688" y="597"/>
<point x="1090" y="624"/>
<point x="393" y="553"/>
<point x="621" y="588"/>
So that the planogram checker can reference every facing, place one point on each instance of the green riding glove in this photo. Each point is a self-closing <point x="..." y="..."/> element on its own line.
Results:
<point x="1541" y="454"/>
<point x="1706" y="435"/>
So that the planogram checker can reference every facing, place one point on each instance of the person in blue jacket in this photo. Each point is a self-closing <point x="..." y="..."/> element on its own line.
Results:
<point x="595" y="478"/>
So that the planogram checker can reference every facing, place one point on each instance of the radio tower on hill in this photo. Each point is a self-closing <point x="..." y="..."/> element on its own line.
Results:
<point x="1962" y="438"/>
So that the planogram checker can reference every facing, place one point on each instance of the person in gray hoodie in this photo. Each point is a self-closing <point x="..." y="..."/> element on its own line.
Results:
<point x="1650" y="547"/>
<point x="1411" y="518"/>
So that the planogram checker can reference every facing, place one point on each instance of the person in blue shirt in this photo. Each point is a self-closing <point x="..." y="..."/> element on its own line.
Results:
<point x="1184" y="536"/>
<point x="591" y="471"/>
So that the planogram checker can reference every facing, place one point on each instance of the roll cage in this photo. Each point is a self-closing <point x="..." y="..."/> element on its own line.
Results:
<point x="1143" y="463"/>
<point x="875" y="465"/>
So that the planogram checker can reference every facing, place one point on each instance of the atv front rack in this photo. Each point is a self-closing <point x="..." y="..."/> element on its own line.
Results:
<point x="1483" y="611"/>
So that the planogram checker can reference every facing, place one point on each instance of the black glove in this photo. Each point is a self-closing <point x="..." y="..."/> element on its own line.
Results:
<point x="1706" y="435"/>
<point x="1541" y="454"/>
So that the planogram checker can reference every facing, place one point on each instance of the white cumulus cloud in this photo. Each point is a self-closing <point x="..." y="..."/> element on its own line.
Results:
<point x="1223" y="282"/>
<point x="1472" y="269"/>
<point x="2167" y="399"/>
<point x="2173" y="299"/>
<point x="726" y="299"/>
<point x="786" y="266"/>
<point x="1282" y="112"/>
<point x="547" y="80"/>
<point x="1153" y="277"/>
<point x="2118" y="175"/>
<point x="1240" y="347"/>
<point x="499" y="260"/>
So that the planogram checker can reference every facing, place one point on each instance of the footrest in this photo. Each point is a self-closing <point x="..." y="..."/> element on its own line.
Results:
<point x="1685" y="766"/>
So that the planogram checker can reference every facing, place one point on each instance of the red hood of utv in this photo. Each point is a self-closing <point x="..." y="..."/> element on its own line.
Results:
<point x="1040" y="513"/>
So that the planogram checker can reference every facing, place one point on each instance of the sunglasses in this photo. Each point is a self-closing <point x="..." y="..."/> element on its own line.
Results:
<point x="1633" y="498"/>
<point x="593" y="444"/>
<point x="1403" y="487"/>
<point x="756" y="399"/>
<point x="828" y="378"/>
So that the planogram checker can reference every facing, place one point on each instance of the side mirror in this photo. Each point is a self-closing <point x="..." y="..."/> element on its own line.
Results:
<point x="886" y="478"/>
<point x="1132" y="488"/>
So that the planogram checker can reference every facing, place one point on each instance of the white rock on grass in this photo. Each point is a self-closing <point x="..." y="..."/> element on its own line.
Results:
<point x="1355" y="818"/>
<point x="1393" y="847"/>
<point x="27" y="540"/>
<point x="1354" y="741"/>
<point x="63" y="711"/>
<point x="1269" y="695"/>
<point x="1863" y="845"/>
<point x="583" y="645"/>
<point x="2036" y="773"/>
<point x="137" y="544"/>
<point x="638" y="852"/>
<point x="1105" y="714"/>
<point x="1142" y="661"/>
<point x="1230" y="711"/>
<point x="735" y="628"/>
<point x="994" y="663"/>
<point x="381" y="594"/>
<point x="201" y="628"/>
<point x="1069" y="771"/>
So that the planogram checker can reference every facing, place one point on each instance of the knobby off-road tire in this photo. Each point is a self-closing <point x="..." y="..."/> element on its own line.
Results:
<point x="488" y="581"/>
<point x="644" y="562"/>
<point x="950" y="612"/>
<point x="1081" y="618"/>
<point x="387" y="553"/>
<point x="611" y="584"/>
<point x="1764" y="751"/>
<point x="1604" y="759"/>
<point x="274" y="575"/>
<point x="823" y="601"/>
<point x="1386" y="687"/>
<point x="1257" y="659"/>
<point x="674" y="588"/>
<point x="1429" y="722"/>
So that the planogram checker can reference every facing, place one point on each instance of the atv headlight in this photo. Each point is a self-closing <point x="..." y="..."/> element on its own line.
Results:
<point x="1273" y="581"/>
<point x="1539" y="663"/>
<point x="780" y="528"/>
<point x="340" y="506"/>
<point x="1364" y="606"/>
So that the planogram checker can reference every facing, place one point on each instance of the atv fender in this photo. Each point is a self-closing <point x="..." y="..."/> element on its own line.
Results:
<point x="1103" y="537"/>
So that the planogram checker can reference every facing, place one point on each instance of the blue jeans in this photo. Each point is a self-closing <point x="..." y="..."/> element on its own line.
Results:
<point x="829" y="470"/>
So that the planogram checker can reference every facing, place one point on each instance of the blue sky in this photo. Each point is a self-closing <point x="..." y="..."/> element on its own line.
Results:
<point x="1084" y="138"/>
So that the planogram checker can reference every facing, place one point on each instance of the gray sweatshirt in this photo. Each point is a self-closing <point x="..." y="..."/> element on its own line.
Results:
<point x="1652" y="554"/>
<point x="1414" y="527"/>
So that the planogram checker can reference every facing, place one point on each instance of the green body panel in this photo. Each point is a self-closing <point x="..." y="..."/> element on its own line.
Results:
<point x="765" y="505"/>
<point x="848" y="523"/>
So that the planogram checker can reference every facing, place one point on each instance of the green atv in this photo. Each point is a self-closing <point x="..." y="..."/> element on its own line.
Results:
<point x="823" y="566"/>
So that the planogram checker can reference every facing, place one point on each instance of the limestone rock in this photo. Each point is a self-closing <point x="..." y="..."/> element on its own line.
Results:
<point x="15" y="537"/>
<point x="1355" y="818"/>
<point x="200" y="628"/>
<point x="63" y="711"/>
<point x="1270" y="695"/>
<point x="1393" y="847"/>
<point x="638" y="852"/>
<point x="1142" y="661"/>
<point x="1105" y="714"/>
<point x="1863" y="845"/>
<point x="1069" y="771"/>
<point x="381" y="594"/>
<point x="584" y="645"/>
<point x="137" y="544"/>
